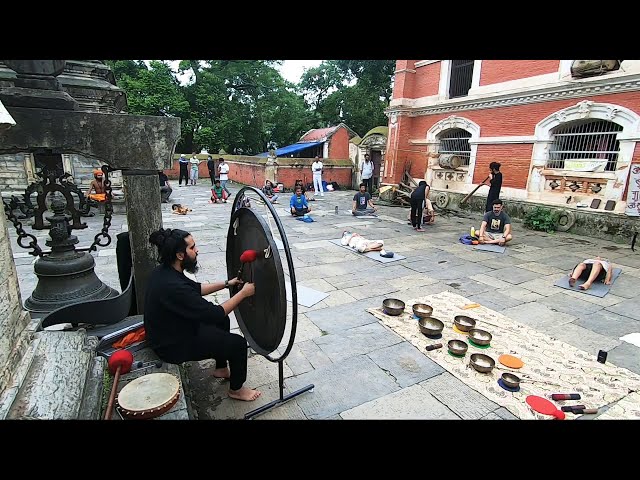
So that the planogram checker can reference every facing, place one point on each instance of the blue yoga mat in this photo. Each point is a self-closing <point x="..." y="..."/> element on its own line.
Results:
<point x="598" y="289"/>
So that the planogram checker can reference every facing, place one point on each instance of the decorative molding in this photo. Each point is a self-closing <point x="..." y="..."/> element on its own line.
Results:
<point x="405" y="70"/>
<point x="375" y="140"/>
<point x="572" y="90"/>
<point x="504" y="140"/>
<point x="422" y="63"/>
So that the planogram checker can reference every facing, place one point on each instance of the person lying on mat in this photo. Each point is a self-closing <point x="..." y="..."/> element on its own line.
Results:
<point x="298" y="203"/>
<point x="496" y="226"/>
<point x="361" y="244"/>
<point x="362" y="203"/>
<point x="592" y="270"/>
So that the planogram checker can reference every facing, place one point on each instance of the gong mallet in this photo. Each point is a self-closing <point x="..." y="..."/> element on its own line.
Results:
<point x="120" y="362"/>
<point x="249" y="256"/>
<point x="474" y="191"/>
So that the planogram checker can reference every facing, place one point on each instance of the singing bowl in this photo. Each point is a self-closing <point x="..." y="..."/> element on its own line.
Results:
<point x="510" y="380"/>
<point x="464" y="323"/>
<point x="422" y="310"/>
<point x="431" y="326"/>
<point x="480" y="337"/>
<point x="482" y="363"/>
<point x="457" y="347"/>
<point x="393" y="306"/>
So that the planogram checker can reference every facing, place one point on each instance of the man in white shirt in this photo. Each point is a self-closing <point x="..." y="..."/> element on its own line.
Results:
<point x="223" y="170"/>
<point x="366" y="170"/>
<point x="195" y="164"/>
<point x="316" y="168"/>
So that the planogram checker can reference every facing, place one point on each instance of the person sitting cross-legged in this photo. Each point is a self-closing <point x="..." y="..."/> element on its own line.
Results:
<point x="298" y="204"/>
<point x="218" y="193"/>
<point x="268" y="191"/>
<point x="362" y="203"/>
<point x="496" y="226"/>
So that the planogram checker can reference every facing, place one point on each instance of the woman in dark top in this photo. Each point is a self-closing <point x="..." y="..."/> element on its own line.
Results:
<point x="496" y="184"/>
<point x="417" y="203"/>
<point x="182" y="326"/>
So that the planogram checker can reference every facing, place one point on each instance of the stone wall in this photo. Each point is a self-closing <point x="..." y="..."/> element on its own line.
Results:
<point x="600" y="224"/>
<point x="13" y="319"/>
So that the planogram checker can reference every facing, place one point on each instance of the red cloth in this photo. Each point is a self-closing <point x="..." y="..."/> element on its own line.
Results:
<point x="130" y="338"/>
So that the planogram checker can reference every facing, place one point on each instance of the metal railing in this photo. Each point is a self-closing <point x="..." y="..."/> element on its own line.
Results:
<point x="456" y="141"/>
<point x="461" y="77"/>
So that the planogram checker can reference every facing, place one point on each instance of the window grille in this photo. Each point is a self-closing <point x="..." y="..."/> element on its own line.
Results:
<point x="461" y="77"/>
<point x="590" y="145"/>
<point x="456" y="141"/>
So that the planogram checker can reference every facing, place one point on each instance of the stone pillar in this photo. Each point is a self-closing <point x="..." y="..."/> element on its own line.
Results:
<point x="142" y="199"/>
<point x="271" y="168"/>
<point x="13" y="319"/>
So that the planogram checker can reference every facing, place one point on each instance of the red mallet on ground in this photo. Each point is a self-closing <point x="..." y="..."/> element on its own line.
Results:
<point x="119" y="362"/>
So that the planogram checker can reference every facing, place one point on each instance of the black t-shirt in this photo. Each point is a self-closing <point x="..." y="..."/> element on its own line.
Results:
<point x="496" y="223"/>
<point x="174" y="308"/>
<point x="496" y="185"/>
<point x="163" y="179"/>
<point x="419" y="193"/>
<point x="362" y="200"/>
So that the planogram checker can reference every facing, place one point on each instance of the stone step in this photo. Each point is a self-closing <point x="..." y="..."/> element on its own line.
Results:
<point x="54" y="386"/>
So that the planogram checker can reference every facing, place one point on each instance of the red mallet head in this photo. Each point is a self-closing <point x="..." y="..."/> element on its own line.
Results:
<point x="122" y="359"/>
<point x="249" y="256"/>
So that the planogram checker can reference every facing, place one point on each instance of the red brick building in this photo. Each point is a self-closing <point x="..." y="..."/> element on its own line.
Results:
<point x="558" y="128"/>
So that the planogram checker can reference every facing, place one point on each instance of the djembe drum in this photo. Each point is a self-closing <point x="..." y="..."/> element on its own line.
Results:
<point x="149" y="396"/>
<point x="263" y="316"/>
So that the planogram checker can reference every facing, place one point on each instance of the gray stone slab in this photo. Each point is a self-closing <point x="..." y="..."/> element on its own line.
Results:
<point x="628" y="308"/>
<point x="565" y="262"/>
<point x="502" y="261"/>
<point x="464" y="270"/>
<point x="540" y="268"/>
<point x="562" y="302"/>
<point x="297" y="361"/>
<point x="356" y="341"/>
<point x="537" y="315"/>
<point x="412" y="403"/>
<point x="513" y="275"/>
<point x="466" y="286"/>
<point x="519" y="293"/>
<point x="505" y="414"/>
<point x="342" y="386"/>
<point x="630" y="259"/>
<point x="608" y="323"/>
<point x="542" y="285"/>
<point x="626" y="286"/>
<point x="467" y="403"/>
<point x="626" y="356"/>
<point x="582" y="338"/>
<point x="405" y="363"/>
<point x="494" y="300"/>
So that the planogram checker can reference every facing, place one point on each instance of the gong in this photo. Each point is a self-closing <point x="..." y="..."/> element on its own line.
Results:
<point x="262" y="317"/>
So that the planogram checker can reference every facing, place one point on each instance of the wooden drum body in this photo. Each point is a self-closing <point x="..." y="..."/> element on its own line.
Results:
<point x="149" y="396"/>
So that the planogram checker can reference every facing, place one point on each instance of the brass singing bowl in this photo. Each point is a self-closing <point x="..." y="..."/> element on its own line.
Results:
<point x="511" y="380"/>
<point x="464" y="323"/>
<point x="480" y="337"/>
<point x="482" y="363"/>
<point x="393" y="306"/>
<point x="422" y="310"/>
<point x="457" y="347"/>
<point x="431" y="326"/>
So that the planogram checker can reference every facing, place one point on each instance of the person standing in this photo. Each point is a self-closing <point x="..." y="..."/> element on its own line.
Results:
<point x="211" y="166"/>
<point x="496" y="184"/>
<point x="316" y="168"/>
<point x="181" y="326"/>
<point x="165" y="188"/>
<point x="223" y="171"/>
<point x="417" y="203"/>
<point x="184" y="172"/>
<point x="195" y="164"/>
<point x="366" y="170"/>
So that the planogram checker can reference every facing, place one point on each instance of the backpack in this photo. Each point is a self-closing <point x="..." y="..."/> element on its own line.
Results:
<point x="467" y="239"/>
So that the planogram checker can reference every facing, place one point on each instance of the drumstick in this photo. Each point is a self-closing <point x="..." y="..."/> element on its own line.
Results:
<point x="119" y="362"/>
<point x="473" y="191"/>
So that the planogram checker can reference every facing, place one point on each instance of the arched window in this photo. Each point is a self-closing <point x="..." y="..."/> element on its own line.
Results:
<point x="455" y="141"/>
<point x="588" y="145"/>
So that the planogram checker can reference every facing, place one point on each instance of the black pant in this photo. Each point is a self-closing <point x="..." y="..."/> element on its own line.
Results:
<point x="165" y="193"/>
<point x="416" y="212"/>
<point x="213" y="341"/>
<point x="299" y="212"/>
<point x="212" y="176"/>
<point x="183" y="173"/>
<point x="369" y="183"/>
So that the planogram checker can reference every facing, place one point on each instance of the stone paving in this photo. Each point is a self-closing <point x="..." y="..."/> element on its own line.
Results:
<point x="360" y="368"/>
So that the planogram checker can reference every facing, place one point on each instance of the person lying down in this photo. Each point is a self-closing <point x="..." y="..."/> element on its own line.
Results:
<point x="359" y="243"/>
<point x="180" y="209"/>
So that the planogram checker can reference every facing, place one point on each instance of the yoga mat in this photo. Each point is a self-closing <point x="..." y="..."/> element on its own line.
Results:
<point x="372" y="255"/>
<point x="490" y="248"/>
<point x="598" y="289"/>
<point x="307" y="297"/>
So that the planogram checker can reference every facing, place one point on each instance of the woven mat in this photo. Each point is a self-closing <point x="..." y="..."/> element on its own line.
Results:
<point x="566" y="368"/>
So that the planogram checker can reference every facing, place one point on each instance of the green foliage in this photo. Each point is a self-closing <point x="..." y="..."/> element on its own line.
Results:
<point x="542" y="219"/>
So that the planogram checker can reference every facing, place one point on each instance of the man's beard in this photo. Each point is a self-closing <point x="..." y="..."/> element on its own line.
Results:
<point x="189" y="265"/>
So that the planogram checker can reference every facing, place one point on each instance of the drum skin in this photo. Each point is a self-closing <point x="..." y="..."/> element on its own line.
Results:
<point x="149" y="396"/>
<point x="261" y="317"/>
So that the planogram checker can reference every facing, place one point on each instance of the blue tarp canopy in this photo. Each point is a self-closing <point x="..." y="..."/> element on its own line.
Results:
<point x="296" y="147"/>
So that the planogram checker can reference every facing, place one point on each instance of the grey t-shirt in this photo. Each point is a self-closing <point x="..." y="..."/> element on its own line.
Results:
<point x="362" y="200"/>
<point x="496" y="223"/>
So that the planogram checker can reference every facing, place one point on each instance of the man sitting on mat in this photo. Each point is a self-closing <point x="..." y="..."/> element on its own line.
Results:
<point x="496" y="226"/>
<point x="362" y="203"/>
<point x="592" y="270"/>
<point x="298" y="204"/>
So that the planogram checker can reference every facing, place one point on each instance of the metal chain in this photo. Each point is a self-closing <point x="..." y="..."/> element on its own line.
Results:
<point x="108" y="212"/>
<point x="9" y="207"/>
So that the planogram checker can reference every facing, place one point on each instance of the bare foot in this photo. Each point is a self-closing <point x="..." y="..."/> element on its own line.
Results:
<point x="222" y="372"/>
<point x="419" y="229"/>
<point x="246" y="394"/>
<point x="585" y="286"/>
<point x="572" y="282"/>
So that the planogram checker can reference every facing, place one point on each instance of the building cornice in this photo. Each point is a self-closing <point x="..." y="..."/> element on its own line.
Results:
<point x="422" y="63"/>
<point x="599" y="86"/>
<point x="405" y="70"/>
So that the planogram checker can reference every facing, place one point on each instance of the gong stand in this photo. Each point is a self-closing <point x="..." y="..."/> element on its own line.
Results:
<point x="263" y="316"/>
